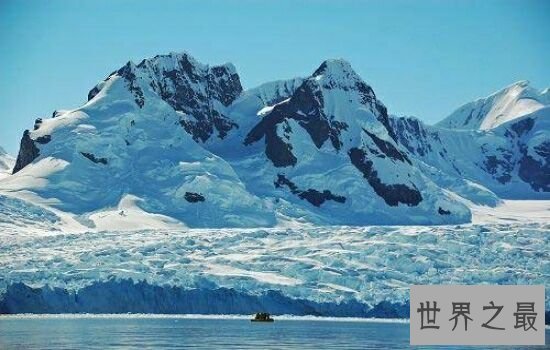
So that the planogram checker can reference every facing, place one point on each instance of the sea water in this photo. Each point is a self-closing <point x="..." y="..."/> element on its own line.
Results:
<point x="172" y="332"/>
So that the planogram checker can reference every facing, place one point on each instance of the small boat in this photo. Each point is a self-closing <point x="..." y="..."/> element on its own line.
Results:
<point x="262" y="317"/>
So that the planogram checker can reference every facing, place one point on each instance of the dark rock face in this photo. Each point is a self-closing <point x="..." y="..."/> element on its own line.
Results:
<point x="411" y="133"/>
<point x="305" y="107"/>
<point x="193" y="197"/>
<point x="93" y="92"/>
<point x="388" y="149"/>
<point x="223" y="85"/>
<point x="536" y="173"/>
<point x="442" y="211"/>
<point x="94" y="159"/>
<point x="277" y="149"/>
<point x="37" y="123"/>
<point x="189" y="87"/>
<point x="192" y="89"/>
<point x="43" y="139"/>
<point x="317" y="198"/>
<point x="28" y="152"/>
<point x="523" y="126"/>
<point x="56" y="114"/>
<point x="283" y="181"/>
<point x="127" y="72"/>
<point x="500" y="167"/>
<point x="392" y="194"/>
<point x="313" y="196"/>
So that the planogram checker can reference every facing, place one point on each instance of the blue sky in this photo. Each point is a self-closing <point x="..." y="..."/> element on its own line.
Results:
<point x="422" y="58"/>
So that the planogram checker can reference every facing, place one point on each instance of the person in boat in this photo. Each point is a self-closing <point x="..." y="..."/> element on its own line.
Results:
<point x="263" y="316"/>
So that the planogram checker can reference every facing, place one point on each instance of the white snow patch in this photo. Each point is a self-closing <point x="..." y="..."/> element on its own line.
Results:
<point x="512" y="211"/>
<point x="129" y="216"/>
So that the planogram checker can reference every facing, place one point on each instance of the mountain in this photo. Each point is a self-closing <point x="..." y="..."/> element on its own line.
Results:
<point x="329" y="149"/>
<point x="511" y="160"/>
<point x="6" y="163"/>
<point x="139" y="135"/>
<point x="512" y="102"/>
<point x="179" y="142"/>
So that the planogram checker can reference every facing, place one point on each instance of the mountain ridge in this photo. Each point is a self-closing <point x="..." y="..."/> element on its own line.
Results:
<point x="509" y="103"/>
<point x="186" y="141"/>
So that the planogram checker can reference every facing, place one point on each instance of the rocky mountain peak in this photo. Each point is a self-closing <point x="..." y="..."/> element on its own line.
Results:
<point x="197" y="91"/>
<point x="174" y="61"/>
<point x="339" y="74"/>
<point x="335" y="68"/>
<point x="336" y="80"/>
<point x="333" y="100"/>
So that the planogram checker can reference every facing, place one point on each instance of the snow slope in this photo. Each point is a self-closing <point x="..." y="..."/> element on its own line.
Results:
<point x="512" y="102"/>
<point x="512" y="211"/>
<point x="6" y="163"/>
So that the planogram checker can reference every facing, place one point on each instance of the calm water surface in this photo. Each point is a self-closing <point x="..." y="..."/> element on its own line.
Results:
<point x="171" y="333"/>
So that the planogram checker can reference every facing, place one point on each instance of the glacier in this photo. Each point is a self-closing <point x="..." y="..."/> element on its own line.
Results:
<point x="328" y="271"/>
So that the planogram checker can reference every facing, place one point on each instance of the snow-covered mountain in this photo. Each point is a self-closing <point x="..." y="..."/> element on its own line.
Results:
<point x="328" y="151"/>
<point x="512" y="102"/>
<point x="6" y="163"/>
<point x="171" y="143"/>
<point x="139" y="135"/>
<point x="512" y="159"/>
<point x="182" y="143"/>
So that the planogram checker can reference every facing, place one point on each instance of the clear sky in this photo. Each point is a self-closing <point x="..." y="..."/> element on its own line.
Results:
<point x="422" y="58"/>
